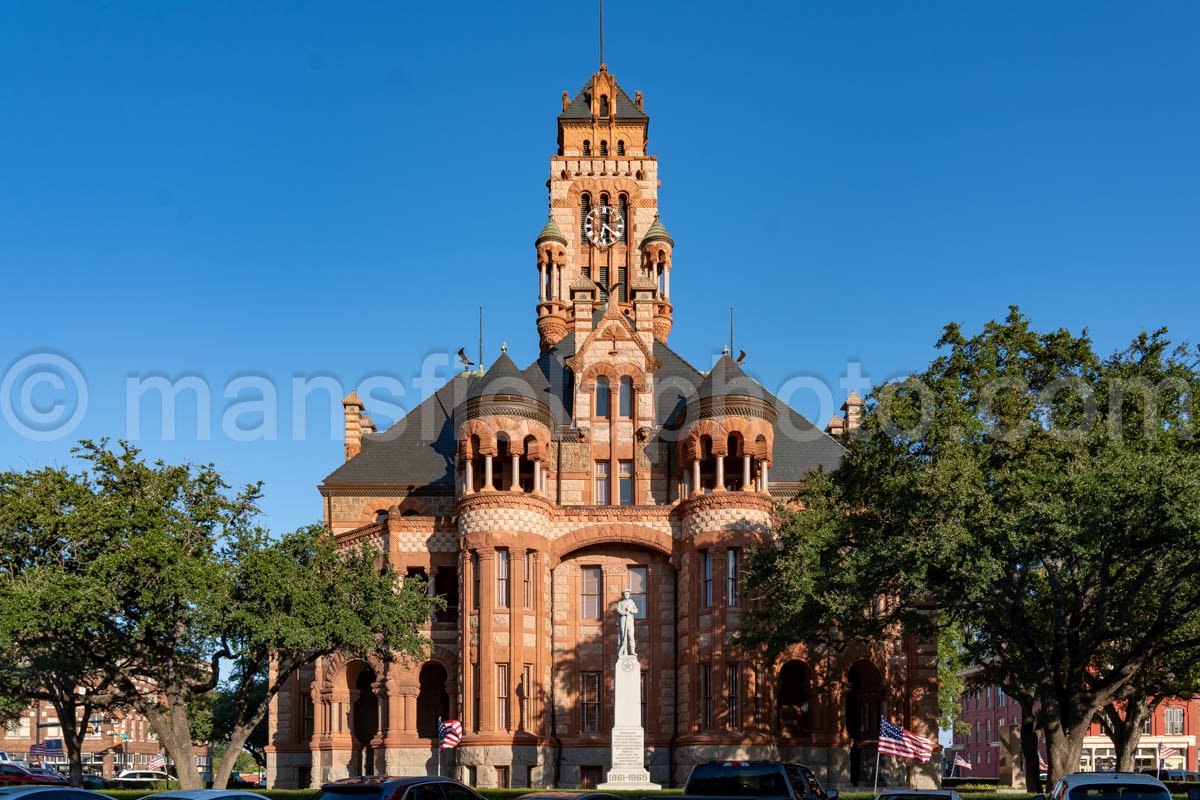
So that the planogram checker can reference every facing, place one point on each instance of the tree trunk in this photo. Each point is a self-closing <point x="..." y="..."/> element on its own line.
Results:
<point x="1029" y="748"/>
<point x="1126" y="730"/>
<point x="73" y="731"/>
<point x="1064" y="746"/>
<point x="237" y="740"/>
<point x="171" y="726"/>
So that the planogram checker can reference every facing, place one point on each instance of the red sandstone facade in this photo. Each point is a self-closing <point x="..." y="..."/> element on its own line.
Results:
<point x="531" y="498"/>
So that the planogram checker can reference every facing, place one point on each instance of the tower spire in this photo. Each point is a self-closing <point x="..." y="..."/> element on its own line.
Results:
<point x="601" y="33"/>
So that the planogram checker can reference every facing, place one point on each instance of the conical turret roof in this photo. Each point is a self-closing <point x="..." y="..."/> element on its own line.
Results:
<point x="727" y="380"/>
<point x="503" y="379"/>
<point x="657" y="233"/>
<point x="551" y="233"/>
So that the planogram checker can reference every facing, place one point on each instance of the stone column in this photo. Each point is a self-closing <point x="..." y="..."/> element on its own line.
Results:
<point x="469" y="477"/>
<point x="487" y="473"/>
<point x="696" y="477"/>
<point x="720" y="487"/>
<point x="515" y="486"/>
<point x="542" y="282"/>
<point x="746" y="484"/>
<point x="537" y="478"/>
<point x="487" y="660"/>
<point x="766" y="481"/>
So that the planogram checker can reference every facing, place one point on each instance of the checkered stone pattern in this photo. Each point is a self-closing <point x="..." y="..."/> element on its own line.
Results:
<point x="727" y="519"/>
<point x="512" y="520"/>
<point x="427" y="541"/>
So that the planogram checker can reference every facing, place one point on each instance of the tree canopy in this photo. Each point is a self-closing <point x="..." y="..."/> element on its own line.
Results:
<point x="1041" y="497"/>
<point x="164" y="573"/>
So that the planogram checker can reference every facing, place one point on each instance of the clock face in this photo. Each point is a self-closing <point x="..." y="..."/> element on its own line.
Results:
<point x="604" y="226"/>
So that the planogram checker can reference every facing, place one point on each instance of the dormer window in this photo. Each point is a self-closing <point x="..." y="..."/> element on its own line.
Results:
<point x="604" y="105"/>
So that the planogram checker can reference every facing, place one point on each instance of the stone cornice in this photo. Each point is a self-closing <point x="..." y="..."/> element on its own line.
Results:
<point x="754" y="501"/>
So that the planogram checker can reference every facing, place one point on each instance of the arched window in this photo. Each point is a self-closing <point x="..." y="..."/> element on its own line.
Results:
<point x="603" y="148"/>
<point x="625" y="397"/>
<point x="381" y="516"/>
<point x="603" y="406"/>
<point x="585" y="208"/>
<point x="604" y="105"/>
<point x="623" y="207"/>
<point x="587" y="147"/>
<point x="620" y="147"/>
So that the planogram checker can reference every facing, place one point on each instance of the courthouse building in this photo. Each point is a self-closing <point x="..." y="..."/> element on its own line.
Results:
<point x="530" y="497"/>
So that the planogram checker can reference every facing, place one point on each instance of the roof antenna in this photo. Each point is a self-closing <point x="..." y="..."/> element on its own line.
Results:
<point x="731" y="329"/>
<point x="601" y="33"/>
<point x="481" y="367"/>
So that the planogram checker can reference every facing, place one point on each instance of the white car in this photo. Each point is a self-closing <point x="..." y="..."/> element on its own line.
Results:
<point x="142" y="777"/>
<point x="1109" y="786"/>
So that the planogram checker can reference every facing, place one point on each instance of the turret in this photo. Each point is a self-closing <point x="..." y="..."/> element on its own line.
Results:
<point x="656" y="249"/>
<point x="551" y="247"/>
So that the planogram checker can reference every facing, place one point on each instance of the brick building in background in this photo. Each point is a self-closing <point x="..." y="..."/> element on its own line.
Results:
<point x="1175" y="724"/>
<point x="115" y="741"/>
<point x="530" y="498"/>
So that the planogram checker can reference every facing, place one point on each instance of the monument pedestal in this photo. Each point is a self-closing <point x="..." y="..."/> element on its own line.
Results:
<point x="628" y="737"/>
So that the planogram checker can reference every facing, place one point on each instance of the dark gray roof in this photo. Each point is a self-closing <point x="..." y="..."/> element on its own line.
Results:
<point x="726" y="379"/>
<point x="581" y="106"/>
<point x="502" y="378"/>
<point x="420" y="449"/>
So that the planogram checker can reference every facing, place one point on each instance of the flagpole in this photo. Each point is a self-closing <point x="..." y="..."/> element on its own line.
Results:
<point x="439" y="747"/>
<point x="876" y="791"/>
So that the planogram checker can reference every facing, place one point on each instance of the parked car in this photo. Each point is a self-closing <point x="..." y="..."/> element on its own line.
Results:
<point x="755" y="779"/>
<point x="386" y="787"/>
<point x="11" y="773"/>
<point x="205" y="794"/>
<point x="550" y="794"/>
<point x="91" y="781"/>
<point x="49" y="793"/>
<point x="1181" y="775"/>
<point x="142" y="779"/>
<point x="1109" y="786"/>
<point x="50" y="775"/>
<point x="918" y="794"/>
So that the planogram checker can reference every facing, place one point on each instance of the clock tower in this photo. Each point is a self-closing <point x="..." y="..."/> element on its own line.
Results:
<point x="603" y="234"/>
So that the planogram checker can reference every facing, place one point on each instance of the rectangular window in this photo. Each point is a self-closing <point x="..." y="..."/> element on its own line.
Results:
<point x="733" y="691"/>
<point x="603" y="497"/>
<point x="503" y="778"/>
<point x="733" y="590"/>
<point x="502" y="718"/>
<point x="1146" y="724"/>
<point x="1174" y="720"/>
<point x="528" y="579"/>
<point x="502" y="578"/>
<point x="475" y="697"/>
<point x="589" y="601"/>
<point x="625" y="482"/>
<point x="307" y="717"/>
<point x="474" y="580"/>
<point x="589" y="702"/>
<point x="987" y="697"/>
<point x="1000" y="698"/>
<point x="526" y="698"/>
<point x="705" y="697"/>
<point x="636" y="583"/>
<point x="706" y="576"/>
<point x="446" y="587"/>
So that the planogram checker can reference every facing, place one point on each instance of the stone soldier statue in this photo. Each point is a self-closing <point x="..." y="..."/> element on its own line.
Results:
<point x="626" y="612"/>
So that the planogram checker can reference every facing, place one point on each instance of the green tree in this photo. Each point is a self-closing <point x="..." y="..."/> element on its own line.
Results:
<point x="53" y="605"/>
<point x="1041" y="497"/>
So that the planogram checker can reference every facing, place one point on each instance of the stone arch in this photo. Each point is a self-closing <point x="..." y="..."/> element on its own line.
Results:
<point x="621" y="533"/>
<point x="864" y="706"/>
<point x="594" y="186"/>
<point x="433" y="698"/>
<point x="795" y="695"/>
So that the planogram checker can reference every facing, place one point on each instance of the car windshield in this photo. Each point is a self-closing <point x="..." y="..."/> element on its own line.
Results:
<point x="369" y="792"/>
<point x="716" y="780"/>
<point x="1112" y="791"/>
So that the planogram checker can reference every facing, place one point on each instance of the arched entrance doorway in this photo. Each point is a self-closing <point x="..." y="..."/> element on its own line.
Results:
<point x="795" y="694"/>
<point x="864" y="708"/>
<point x="432" y="699"/>
<point x="364" y="717"/>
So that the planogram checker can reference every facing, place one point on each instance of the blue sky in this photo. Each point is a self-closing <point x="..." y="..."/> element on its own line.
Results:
<point x="261" y="191"/>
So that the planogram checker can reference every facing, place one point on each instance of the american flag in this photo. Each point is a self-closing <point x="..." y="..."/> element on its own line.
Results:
<point x="450" y="733"/>
<point x="48" y="747"/>
<point x="1165" y="752"/>
<point x="961" y="762"/>
<point x="896" y="741"/>
<point x="1042" y="765"/>
<point x="158" y="762"/>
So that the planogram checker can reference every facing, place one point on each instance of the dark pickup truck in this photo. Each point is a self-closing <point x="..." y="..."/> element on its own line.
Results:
<point x="742" y="780"/>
